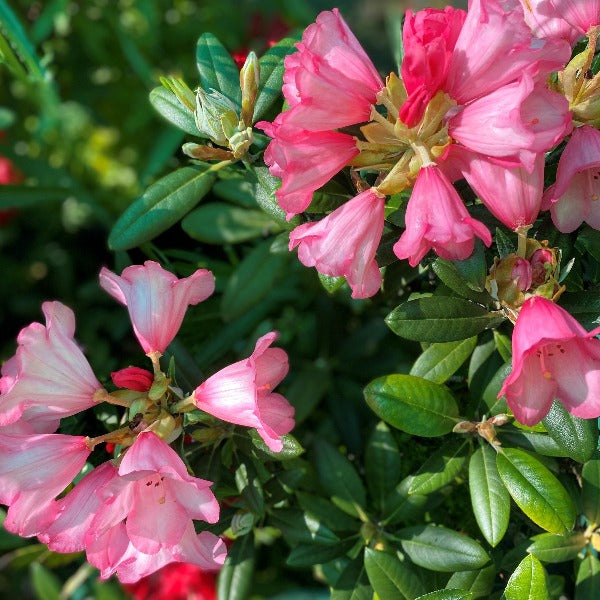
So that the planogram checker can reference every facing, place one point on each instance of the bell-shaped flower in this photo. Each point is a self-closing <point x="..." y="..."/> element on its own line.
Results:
<point x="330" y="64"/>
<point x="437" y="219"/>
<point x="514" y="123"/>
<point x="48" y="377"/>
<point x="156" y="299"/>
<point x="428" y="39"/>
<point x="553" y="356"/>
<point x="35" y="468"/>
<point x="242" y="393"/>
<point x="345" y="241"/>
<point x="512" y="195"/>
<point x="146" y="513"/>
<point x="546" y="22"/>
<point x="304" y="160"/>
<point x="580" y="14"/>
<point x="574" y="197"/>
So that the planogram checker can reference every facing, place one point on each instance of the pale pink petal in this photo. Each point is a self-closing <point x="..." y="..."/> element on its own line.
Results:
<point x="546" y="22"/>
<point x="107" y="551"/>
<point x="30" y="513"/>
<point x="196" y="498"/>
<point x="277" y="416"/>
<point x="581" y="14"/>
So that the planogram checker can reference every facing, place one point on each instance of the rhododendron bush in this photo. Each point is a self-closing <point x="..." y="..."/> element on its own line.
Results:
<point x="335" y="332"/>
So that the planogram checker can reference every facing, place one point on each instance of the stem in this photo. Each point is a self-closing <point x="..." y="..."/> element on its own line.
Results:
<point x="101" y="395"/>
<point x="116" y="436"/>
<point x="155" y="358"/>
<point x="422" y="152"/>
<point x="185" y="405"/>
<point x="522" y="237"/>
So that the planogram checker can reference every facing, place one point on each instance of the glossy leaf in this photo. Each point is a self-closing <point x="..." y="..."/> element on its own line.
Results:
<point x="555" y="548"/>
<point x="441" y="549"/>
<point x="291" y="447"/>
<point x="587" y="585"/>
<point x="308" y="555"/>
<point x="413" y="404"/>
<point x="339" y="479"/>
<point x="528" y="582"/>
<point x="541" y="443"/>
<point x="536" y="491"/>
<point x="448" y="271"/>
<point x="264" y="192"/>
<point x="439" y="361"/>
<point x="323" y="510"/>
<point x="578" y="437"/>
<point x="298" y="527"/>
<point x="503" y="345"/>
<point x="217" y="69"/>
<point x="400" y="506"/>
<point x="441" y="467"/>
<point x="479" y="582"/>
<point x="162" y="205"/>
<point x="440" y="319"/>
<point x="590" y="492"/>
<point x="392" y="577"/>
<point x="168" y="106"/>
<point x="235" y="578"/>
<point x="447" y="595"/>
<point x="489" y="497"/>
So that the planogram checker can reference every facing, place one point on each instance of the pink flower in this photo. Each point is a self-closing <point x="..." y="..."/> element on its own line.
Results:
<point x="49" y="377"/>
<point x="574" y="197"/>
<point x="345" y="241"/>
<point x="304" y="160"/>
<point x="242" y="393"/>
<point x="553" y="357"/>
<point x="437" y="219"/>
<point x="330" y="63"/>
<point x="580" y="14"/>
<point x="512" y="195"/>
<point x="133" y="378"/>
<point x="522" y="274"/>
<point x="428" y="39"/>
<point x="156" y="299"/>
<point x="546" y="22"/>
<point x="145" y="518"/>
<point x="35" y="468"/>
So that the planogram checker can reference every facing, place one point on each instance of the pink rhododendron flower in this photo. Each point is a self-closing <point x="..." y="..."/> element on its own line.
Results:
<point x="437" y="219"/>
<point x="546" y="22"/>
<point x="34" y="469"/>
<point x="573" y="199"/>
<point x="156" y="299"/>
<point x="242" y="393"/>
<point x="330" y="63"/>
<point x="145" y="519"/>
<point x="304" y="160"/>
<point x="512" y="195"/>
<point x="49" y="377"/>
<point x="133" y="378"/>
<point x="428" y="39"/>
<point x="580" y="14"/>
<point x="345" y="241"/>
<point x="553" y="357"/>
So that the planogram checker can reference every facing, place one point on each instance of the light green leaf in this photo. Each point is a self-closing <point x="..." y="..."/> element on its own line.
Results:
<point x="447" y="595"/>
<point x="503" y="345"/>
<point x="391" y="577"/>
<point x="528" y="582"/>
<point x="166" y="104"/>
<point x="46" y="584"/>
<point x="489" y="497"/>
<point x="264" y="192"/>
<point x="440" y="361"/>
<point x="555" y="548"/>
<point x="412" y="404"/>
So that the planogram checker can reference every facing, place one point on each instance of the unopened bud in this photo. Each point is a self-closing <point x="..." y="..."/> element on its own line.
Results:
<point x="202" y="152"/>
<point x="182" y="92"/>
<point x="212" y="110"/>
<point x="242" y="523"/>
<point x="509" y="277"/>
<point x="499" y="420"/>
<point x="249" y="82"/>
<point x="464" y="427"/>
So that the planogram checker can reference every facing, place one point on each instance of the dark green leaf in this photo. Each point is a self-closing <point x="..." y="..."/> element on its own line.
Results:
<point x="479" y="582"/>
<point x="308" y="555"/>
<point x="450" y="274"/>
<point x="503" y="345"/>
<point x="220" y="223"/>
<point x="440" y="361"/>
<point x="441" y="467"/>
<point x="330" y="283"/>
<point x="590" y="492"/>
<point x="162" y="205"/>
<point x="327" y="512"/>
<point x="588" y="241"/>
<point x="47" y="586"/>
<point x="440" y="319"/>
<point x="382" y="464"/>
<point x="249" y="486"/>
<point x="587" y="585"/>
<point x="489" y="498"/>
<point x="26" y="196"/>
<point x="265" y="197"/>
<point x="306" y="388"/>
<point x="400" y="506"/>
<point x="235" y="578"/>
<point x="9" y="541"/>
<point x="504" y="244"/>
<point x="391" y="576"/>
<point x="298" y="527"/>
<point x="541" y="443"/>
<point x="353" y="583"/>
<point x="412" y="404"/>
<point x="441" y="549"/>
<point x="536" y="491"/>
<point x="166" y="104"/>
<point x="291" y="447"/>
<point x="528" y="582"/>
<point x="447" y="595"/>
<point x="217" y="69"/>
<point x="555" y="548"/>
<point x="578" y="437"/>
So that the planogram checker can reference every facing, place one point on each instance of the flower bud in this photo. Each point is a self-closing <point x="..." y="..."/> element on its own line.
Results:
<point x="249" y="82"/>
<point x="242" y="523"/>
<point x="182" y="92"/>
<point x="509" y="278"/>
<point x="133" y="378"/>
<point x="543" y="264"/>
<point x="212" y="112"/>
<point x="202" y="152"/>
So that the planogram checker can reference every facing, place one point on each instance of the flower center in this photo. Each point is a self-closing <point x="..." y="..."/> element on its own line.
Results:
<point x="546" y="355"/>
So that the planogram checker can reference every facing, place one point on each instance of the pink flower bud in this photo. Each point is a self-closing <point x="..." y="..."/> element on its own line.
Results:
<point x="542" y="260"/>
<point x="522" y="274"/>
<point x="133" y="378"/>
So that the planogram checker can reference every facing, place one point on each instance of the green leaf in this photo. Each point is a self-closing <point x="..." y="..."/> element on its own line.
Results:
<point x="382" y="464"/>
<point x="353" y="583"/>
<point x="440" y="319"/>
<point x="503" y="345"/>
<point x="590" y="492"/>
<point x="271" y="76"/>
<point x="504" y="244"/>
<point x="401" y="506"/>
<point x="447" y="595"/>
<point x="489" y="497"/>
<point x="291" y="447"/>
<point x="339" y="479"/>
<point x="440" y="361"/>
<point x="308" y="555"/>
<point x="327" y="512"/>
<point x="162" y="205"/>
<point x="541" y="443"/>
<point x="528" y="582"/>
<point x="578" y="437"/>
<point x="47" y="586"/>
<point x="391" y="577"/>
<point x="217" y="69"/>
<point x="235" y="578"/>
<point x="536" y="491"/>
<point x="587" y="585"/>
<point x="298" y="527"/>
<point x="9" y="541"/>
<point x="441" y="549"/>
<point x="448" y="271"/>
<point x="441" y="467"/>
<point x="220" y="223"/>
<point x="306" y="388"/>
<point x="412" y="404"/>
<point x="478" y="582"/>
<point x="167" y="106"/>
<point x="555" y="548"/>
<point x="26" y="196"/>
<point x="265" y="197"/>
<point x="249" y="486"/>
<point x="253" y="279"/>
<point x="330" y="283"/>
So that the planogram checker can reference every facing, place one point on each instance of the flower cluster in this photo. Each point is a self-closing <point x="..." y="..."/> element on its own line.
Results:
<point x="133" y="514"/>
